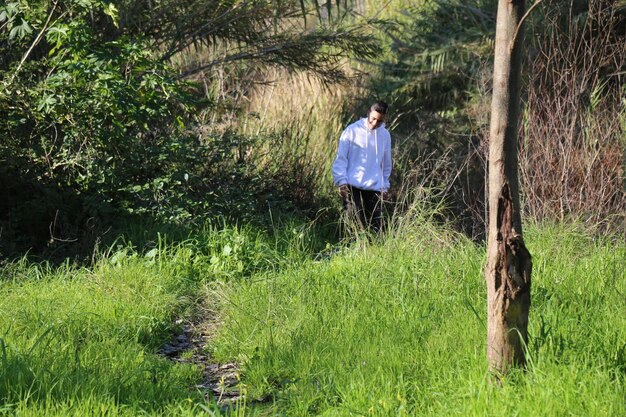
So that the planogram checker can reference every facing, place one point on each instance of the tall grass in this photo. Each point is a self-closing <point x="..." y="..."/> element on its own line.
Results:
<point x="305" y="116"/>
<point x="72" y="336"/>
<point x="399" y="329"/>
<point x="85" y="341"/>
<point x="388" y="326"/>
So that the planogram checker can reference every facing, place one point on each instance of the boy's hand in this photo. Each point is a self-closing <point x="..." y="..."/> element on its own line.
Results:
<point x="343" y="191"/>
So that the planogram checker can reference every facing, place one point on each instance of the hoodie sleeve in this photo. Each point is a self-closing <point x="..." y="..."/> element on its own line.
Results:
<point x="387" y="163"/>
<point x="340" y="166"/>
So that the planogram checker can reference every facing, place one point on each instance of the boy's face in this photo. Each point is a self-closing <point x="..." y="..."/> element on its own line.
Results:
<point x="374" y="119"/>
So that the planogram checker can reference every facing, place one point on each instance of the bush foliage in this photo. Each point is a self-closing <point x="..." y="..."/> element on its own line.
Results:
<point x="125" y="108"/>
<point x="100" y="119"/>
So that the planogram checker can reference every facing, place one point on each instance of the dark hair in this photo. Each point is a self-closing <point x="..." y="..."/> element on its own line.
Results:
<point x="380" y="107"/>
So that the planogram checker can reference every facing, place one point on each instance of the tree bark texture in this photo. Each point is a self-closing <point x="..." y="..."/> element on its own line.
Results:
<point x="509" y="264"/>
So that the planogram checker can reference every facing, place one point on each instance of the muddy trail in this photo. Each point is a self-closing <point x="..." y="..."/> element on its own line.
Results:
<point x="220" y="382"/>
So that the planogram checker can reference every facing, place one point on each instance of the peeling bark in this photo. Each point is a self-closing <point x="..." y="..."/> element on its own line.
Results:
<point x="509" y="298"/>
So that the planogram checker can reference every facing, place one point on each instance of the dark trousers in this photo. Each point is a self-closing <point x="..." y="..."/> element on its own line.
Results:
<point x="365" y="206"/>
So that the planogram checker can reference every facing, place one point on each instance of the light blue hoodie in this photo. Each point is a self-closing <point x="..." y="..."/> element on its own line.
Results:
<point x="363" y="157"/>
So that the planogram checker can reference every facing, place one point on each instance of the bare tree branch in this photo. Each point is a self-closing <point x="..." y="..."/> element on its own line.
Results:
<point x="521" y="22"/>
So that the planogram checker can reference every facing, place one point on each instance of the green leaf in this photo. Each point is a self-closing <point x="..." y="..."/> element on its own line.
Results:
<point x="8" y="11"/>
<point x="111" y="11"/>
<point x="20" y="31"/>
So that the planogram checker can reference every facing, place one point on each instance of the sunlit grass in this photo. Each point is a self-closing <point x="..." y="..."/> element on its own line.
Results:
<point x="85" y="341"/>
<point x="398" y="329"/>
<point x="385" y="326"/>
<point x="73" y="338"/>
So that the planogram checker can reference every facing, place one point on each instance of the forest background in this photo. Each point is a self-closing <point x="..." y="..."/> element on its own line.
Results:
<point x="178" y="112"/>
<point x="172" y="113"/>
<point x="166" y="162"/>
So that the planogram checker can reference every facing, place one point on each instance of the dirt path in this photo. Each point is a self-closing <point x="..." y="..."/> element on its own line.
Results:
<point x="220" y="381"/>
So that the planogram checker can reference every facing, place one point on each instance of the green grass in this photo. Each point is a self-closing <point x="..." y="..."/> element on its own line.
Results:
<point x="398" y="328"/>
<point x="84" y="341"/>
<point x="393" y="327"/>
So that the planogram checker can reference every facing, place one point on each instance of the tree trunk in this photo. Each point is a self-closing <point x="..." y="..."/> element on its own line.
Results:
<point x="508" y="266"/>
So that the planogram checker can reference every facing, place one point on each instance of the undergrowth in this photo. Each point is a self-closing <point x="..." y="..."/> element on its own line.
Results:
<point x="85" y="341"/>
<point x="398" y="328"/>
<point x="388" y="325"/>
